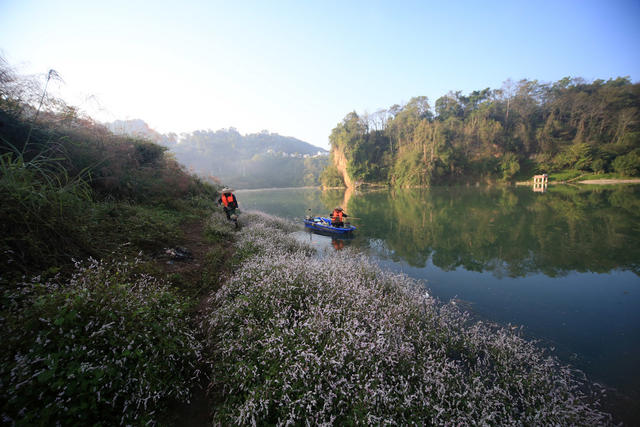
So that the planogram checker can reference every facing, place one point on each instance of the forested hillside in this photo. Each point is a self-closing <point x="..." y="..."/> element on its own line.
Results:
<point x="257" y="160"/>
<point x="492" y="134"/>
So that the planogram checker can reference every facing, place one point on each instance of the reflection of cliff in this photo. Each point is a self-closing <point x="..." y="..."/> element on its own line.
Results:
<point x="348" y="193"/>
<point x="340" y="161"/>
<point x="508" y="232"/>
<point x="332" y="198"/>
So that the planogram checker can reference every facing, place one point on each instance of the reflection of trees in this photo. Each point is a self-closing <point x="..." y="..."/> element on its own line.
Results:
<point x="508" y="231"/>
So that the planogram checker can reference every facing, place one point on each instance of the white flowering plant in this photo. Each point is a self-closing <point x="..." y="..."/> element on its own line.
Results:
<point x="218" y="228"/>
<point x="294" y="339"/>
<point x="266" y="234"/>
<point x="107" y="346"/>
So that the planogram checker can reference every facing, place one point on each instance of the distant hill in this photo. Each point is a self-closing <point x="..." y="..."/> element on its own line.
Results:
<point x="258" y="160"/>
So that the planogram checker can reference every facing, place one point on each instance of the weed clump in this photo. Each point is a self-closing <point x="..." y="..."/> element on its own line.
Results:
<point x="218" y="228"/>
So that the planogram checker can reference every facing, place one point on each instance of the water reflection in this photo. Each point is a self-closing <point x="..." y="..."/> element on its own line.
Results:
<point x="507" y="231"/>
<point x="511" y="232"/>
<point x="337" y="243"/>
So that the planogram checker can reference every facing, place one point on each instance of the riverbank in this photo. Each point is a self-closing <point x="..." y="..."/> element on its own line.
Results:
<point x="609" y="181"/>
<point x="276" y="333"/>
<point x="295" y="338"/>
<point x="578" y="177"/>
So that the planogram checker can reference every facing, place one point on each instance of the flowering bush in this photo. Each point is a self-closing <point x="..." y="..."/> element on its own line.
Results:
<point x="107" y="346"/>
<point x="218" y="228"/>
<point x="295" y="339"/>
<point x="267" y="234"/>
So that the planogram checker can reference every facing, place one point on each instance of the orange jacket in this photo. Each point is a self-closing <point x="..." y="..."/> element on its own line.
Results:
<point x="337" y="215"/>
<point x="229" y="200"/>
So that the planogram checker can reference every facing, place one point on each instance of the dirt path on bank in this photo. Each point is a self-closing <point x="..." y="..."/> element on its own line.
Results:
<point x="610" y="181"/>
<point x="193" y="270"/>
<point x="195" y="244"/>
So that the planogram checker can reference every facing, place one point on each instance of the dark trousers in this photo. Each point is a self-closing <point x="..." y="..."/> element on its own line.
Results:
<point x="229" y="211"/>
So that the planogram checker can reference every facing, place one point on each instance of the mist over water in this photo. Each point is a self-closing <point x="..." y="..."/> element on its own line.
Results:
<point x="564" y="265"/>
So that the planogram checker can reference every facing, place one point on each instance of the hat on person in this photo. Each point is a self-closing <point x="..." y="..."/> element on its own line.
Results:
<point x="227" y="190"/>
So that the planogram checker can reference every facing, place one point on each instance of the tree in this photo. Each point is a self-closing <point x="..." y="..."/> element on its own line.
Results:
<point x="509" y="165"/>
<point x="570" y="123"/>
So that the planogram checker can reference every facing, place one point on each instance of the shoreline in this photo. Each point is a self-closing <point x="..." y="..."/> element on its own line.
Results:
<point x="604" y="181"/>
<point x="610" y="181"/>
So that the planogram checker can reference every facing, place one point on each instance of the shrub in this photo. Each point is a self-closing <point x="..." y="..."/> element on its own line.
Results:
<point x="599" y="166"/>
<point x="410" y="171"/>
<point x="628" y="164"/>
<point x="509" y="165"/>
<point x="107" y="346"/>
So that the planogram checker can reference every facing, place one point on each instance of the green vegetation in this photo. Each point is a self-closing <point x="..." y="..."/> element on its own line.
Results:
<point x="74" y="189"/>
<point x="105" y="346"/>
<point x="331" y="177"/>
<point x="496" y="135"/>
<point x="96" y="341"/>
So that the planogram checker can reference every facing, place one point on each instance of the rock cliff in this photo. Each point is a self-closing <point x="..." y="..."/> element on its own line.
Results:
<point x="340" y="161"/>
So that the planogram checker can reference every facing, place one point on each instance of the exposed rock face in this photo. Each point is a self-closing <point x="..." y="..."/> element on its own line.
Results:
<point x="340" y="160"/>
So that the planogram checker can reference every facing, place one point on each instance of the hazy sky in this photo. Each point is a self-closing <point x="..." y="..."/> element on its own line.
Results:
<point x="298" y="67"/>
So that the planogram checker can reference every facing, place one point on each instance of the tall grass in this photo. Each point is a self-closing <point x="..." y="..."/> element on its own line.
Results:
<point x="40" y="209"/>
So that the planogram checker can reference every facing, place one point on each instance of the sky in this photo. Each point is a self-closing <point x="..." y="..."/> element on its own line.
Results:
<point x="298" y="67"/>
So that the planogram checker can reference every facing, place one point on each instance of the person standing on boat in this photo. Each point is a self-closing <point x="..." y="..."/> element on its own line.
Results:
<point x="229" y="202"/>
<point x="336" y="217"/>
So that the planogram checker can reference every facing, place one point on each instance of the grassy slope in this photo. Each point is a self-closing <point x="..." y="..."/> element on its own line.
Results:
<point x="99" y="322"/>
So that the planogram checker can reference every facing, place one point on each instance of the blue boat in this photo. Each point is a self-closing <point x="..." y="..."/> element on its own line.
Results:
<point x="320" y="223"/>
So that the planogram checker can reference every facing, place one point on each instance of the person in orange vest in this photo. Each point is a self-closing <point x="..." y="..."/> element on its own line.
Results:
<point x="228" y="201"/>
<point x="336" y="217"/>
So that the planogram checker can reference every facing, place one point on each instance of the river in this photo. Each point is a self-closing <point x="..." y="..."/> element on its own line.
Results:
<point x="564" y="264"/>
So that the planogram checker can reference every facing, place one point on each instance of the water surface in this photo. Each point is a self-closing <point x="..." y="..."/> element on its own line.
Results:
<point x="564" y="265"/>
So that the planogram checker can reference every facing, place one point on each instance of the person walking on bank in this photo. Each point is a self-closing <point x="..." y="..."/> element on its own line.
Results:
<point x="336" y="217"/>
<point x="229" y="202"/>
